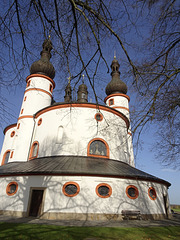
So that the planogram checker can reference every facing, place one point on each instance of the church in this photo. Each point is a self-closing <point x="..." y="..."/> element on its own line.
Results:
<point x="74" y="159"/>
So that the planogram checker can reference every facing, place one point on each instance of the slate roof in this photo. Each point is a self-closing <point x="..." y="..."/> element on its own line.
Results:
<point x="77" y="165"/>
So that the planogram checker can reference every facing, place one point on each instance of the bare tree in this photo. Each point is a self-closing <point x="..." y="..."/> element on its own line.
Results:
<point x="144" y="32"/>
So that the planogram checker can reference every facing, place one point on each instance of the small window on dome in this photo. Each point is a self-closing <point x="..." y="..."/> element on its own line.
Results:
<point x="103" y="190"/>
<point x="12" y="133"/>
<point x="6" y="157"/>
<point x="28" y="83"/>
<point x="99" y="117"/>
<point x="71" y="189"/>
<point x="152" y="193"/>
<point x="50" y="88"/>
<point x="132" y="192"/>
<point x="39" y="121"/>
<point x="111" y="102"/>
<point x="98" y="147"/>
<point x="11" y="188"/>
<point x="34" y="150"/>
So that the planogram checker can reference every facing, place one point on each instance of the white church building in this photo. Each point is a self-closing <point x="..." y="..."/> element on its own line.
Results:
<point x="74" y="159"/>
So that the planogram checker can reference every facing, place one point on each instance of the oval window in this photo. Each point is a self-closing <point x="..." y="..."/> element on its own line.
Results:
<point x="132" y="192"/>
<point x="12" y="188"/>
<point x="12" y="133"/>
<point x="71" y="189"/>
<point x="103" y="190"/>
<point x="152" y="193"/>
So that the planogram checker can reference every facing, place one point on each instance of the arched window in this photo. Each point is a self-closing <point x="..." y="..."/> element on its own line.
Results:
<point x="98" y="147"/>
<point x="6" y="157"/>
<point x="34" y="150"/>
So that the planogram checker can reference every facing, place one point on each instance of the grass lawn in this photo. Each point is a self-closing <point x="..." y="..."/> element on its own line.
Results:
<point x="50" y="232"/>
<point x="176" y="209"/>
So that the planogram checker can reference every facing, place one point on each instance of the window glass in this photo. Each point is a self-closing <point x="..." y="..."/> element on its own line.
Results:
<point x="98" y="117"/>
<point x="35" y="150"/>
<point x="111" y="102"/>
<point x="103" y="190"/>
<point x="6" y="157"/>
<point x="97" y="147"/>
<point x="12" y="188"/>
<point x="132" y="192"/>
<point x="71" y="189"/>
<point x="152" y="193"/>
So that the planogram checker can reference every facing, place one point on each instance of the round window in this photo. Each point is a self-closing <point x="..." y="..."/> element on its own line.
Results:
<point x="152" y="193"/>
<point x="12" y="188"/>
<point x="103" y="190"/>
<point x="71" y="189"/>
<point x="99" y="117"/>
<point x="132" y="192"/>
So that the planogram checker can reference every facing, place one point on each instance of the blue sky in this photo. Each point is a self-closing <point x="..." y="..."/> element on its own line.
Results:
<point x="145" y="160"/>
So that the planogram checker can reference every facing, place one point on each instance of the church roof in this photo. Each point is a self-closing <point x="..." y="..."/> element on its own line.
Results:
<point x="43" y="66"/>
<point x="116" y="85"/>
<point x="78" y="166"/>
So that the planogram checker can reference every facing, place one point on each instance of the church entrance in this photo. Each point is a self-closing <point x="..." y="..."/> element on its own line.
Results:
<point x="36" y="202"/>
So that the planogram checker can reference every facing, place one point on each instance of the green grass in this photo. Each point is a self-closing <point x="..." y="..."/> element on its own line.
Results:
<point x="176" y="209"/>
<point x="15" y="231"/>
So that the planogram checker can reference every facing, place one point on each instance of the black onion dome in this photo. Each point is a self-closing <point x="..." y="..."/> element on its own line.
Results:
<point x="115" y="85"/>
<point x="43" y="66"/>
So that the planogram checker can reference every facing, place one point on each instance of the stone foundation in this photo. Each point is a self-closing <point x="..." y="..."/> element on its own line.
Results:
<point x="81" y="216"/>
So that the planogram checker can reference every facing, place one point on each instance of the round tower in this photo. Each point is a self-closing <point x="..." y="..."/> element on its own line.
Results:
<point x="37" y="95"/>
<point x="116" y="98"/>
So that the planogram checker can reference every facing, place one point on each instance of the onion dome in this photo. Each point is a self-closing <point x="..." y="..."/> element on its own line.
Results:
<point x="82" y="94"/>
<point x="43" y="66"/>
<point x="115" y="85"/>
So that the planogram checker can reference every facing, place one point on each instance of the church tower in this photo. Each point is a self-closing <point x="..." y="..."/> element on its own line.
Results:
<point x="37" y="95"/>
<point x="117" y="99"/>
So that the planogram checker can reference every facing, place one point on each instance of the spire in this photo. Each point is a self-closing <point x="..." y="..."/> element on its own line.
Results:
<point x="115" y="85"/>
<point x="68" y="91"/>
<point x="43" y="66"/>
<point x="82" y="93"/>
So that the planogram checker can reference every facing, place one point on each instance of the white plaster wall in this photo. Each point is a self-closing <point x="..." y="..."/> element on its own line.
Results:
<point x="79" y="126"/>
<point x="23" y="139"/>
<point x="120" y="102"/>
<point x="35" y="99"/>
<point x="87" y="200"/>
<point x="8" y="143"/>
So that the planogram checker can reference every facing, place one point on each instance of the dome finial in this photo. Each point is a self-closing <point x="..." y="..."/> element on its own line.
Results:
<point x="114" y="54"/>
<point x="43" y="66"/>
<point x="83" y="78"/>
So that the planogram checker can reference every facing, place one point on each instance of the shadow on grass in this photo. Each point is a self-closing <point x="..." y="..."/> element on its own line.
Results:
<point x="23" y="231"/>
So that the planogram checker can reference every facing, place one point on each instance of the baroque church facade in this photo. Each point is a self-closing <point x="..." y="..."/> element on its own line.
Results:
<point x="74" y="159"/>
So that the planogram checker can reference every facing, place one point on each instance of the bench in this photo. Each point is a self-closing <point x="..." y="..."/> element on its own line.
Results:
<point x="127" y="214"/>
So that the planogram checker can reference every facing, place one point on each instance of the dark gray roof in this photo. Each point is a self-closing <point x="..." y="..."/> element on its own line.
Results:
<point x="77" y="165"/>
